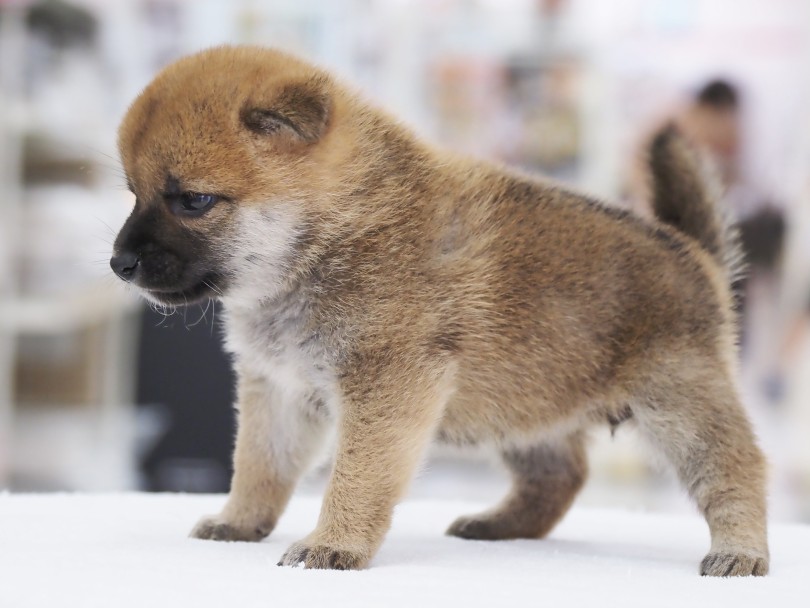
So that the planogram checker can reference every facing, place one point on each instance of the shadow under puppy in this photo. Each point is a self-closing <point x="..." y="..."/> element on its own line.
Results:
<point x="376" y="286"/>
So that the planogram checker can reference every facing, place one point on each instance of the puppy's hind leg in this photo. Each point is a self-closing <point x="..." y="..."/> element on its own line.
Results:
<point x="545" y="480"/>
<point x="693" y="414"/>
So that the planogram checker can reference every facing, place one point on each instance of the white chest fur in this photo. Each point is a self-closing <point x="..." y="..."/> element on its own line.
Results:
<point x="274" y="343"/>
<point x="272" y="348"/>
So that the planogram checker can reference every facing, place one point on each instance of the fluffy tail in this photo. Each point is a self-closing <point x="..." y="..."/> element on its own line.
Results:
<point x="685" y="196"/>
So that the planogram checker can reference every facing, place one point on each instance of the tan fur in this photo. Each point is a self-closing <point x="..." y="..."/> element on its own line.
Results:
<point x="376" y="285"/>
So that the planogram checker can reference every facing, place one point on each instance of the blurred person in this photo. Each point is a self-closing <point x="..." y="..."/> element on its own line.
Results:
<point x="712" y="121"/>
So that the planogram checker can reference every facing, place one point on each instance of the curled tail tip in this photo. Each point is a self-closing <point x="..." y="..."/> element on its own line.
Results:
<point x="664" y="137"/>
<point x="686" y="196"/>
<point x="674" y="161"/>
<point x="680" y="187"/>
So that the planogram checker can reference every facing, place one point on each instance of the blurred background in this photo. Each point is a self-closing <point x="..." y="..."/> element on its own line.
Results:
<point x="97" y="392"/>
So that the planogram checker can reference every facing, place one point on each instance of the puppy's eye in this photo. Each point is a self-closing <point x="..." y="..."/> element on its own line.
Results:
<point x="192" y="203"/>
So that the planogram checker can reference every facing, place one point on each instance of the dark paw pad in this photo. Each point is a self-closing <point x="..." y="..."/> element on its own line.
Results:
<point x="733" y="564"/>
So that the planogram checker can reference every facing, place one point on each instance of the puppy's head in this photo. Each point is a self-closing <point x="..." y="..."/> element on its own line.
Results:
<point x="226" y="152"/>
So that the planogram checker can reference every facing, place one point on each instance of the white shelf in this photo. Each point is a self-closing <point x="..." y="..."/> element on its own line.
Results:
<point x="64" y="312"/>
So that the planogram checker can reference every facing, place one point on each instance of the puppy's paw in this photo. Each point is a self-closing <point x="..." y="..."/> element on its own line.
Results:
<point x="215" y="528"/>
<point x="475" y="528"/>
<point x="322" y="557"/>
<point x="492" y="527"/>
<point x="729" y="563"/>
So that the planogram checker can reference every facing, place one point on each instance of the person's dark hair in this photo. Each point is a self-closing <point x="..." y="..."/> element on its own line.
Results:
<point x="718" y="94"/>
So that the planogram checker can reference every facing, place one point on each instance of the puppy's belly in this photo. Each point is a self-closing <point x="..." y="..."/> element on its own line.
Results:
<point x="473" y="419"/>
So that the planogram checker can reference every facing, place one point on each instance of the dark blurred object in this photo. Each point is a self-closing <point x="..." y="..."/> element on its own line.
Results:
<point x="763" y="235"/>
<point x="63" y="24"/>
<point x="185" y="375"/>
<point x="718" y="94"/>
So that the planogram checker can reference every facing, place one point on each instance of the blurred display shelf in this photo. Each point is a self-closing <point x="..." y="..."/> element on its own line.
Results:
<point x="82" y="440"/>
<point x="57" y="129"/>
<point x="68" y="311"/>
<point x="85" y="451"/>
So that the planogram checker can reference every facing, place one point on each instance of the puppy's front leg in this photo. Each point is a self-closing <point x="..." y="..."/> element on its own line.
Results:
<point x="387" y="421"/>
<point x="277" y="438"/>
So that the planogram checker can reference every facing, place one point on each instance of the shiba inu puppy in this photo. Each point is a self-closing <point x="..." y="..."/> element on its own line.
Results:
<point x="390" y="292"/>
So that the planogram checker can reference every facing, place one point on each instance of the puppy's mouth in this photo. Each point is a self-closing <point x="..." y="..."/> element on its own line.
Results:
<point x="207" y="288"/>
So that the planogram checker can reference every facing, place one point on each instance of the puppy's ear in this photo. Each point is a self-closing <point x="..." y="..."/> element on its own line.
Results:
<point x="298" y="114"/>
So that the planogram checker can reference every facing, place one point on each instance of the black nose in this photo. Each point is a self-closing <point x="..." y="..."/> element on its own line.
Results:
<point x="125" y="265"/>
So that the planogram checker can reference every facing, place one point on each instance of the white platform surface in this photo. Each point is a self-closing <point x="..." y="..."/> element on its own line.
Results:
<point x="122" y="550"/>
